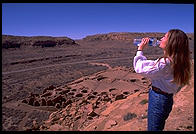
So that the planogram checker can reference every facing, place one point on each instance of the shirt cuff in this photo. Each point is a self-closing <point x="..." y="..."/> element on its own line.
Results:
<point x="139" y="53"/>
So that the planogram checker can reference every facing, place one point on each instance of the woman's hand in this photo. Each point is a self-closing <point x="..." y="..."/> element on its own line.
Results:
<point x="143" y="43"/>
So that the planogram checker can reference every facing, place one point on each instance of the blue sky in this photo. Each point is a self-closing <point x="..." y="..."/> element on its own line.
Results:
<point x="78" y="20"/>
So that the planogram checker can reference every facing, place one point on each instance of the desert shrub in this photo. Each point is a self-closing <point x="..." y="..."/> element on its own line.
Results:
<point x="129" y="116"/>
<point x="144" y="102"/>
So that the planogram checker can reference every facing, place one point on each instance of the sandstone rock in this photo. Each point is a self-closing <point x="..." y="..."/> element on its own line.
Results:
<point x="36" y="103"/>
<point x="112" y="89"/>
<point x="84" y="91"/>
<point x="33" y="95"/>
<point x="72" y="112"/>
<point x="49" y="88"/>
<point x="77" y="117"/>
<point x="31" y="101"/>
<point x="89" y="118"/>
<point x="73" y="90"/>
<point x="69" y="101"/>
<point x="91" y="97"/>
<point x="43" y="128"/>
<point x="63" y="104"/>
<point x="119" y="97"/>
<point x="49" y="103"/>
<point x="106" y="99"/>
<point x="57" y="105"/>
<point x="133" y="80"/>
<point x="94" y="127"/>
<point x="89" y="107"/>
<point x="57" y="127"/>
<point x="57" y="99"/>
<point x="126" y="93"/>
<point x="92" y="114"/>
<point x="24" y="101"/>
<point x="71" y="93"/>
<point x="64" y="98"/>
<point x="83" y="101"/>
<point x="136" y="90"/>
<point x="35" y="125"/>
<point x="80" y="102"/>
<point x="101" y="78"/>
<point x="58" y="89"/>
<point x="103" y="93"/>
<point x="47" y="123"/>
<point x="65" y="91"/>
<point x="43" y="102"/>
<point x="79" y="95"/>
<point x="109" y="124"/>
<point x="46" y="94"/>
<point x="95" y="93"/>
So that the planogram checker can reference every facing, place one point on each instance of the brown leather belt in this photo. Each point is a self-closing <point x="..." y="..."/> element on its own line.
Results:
<point x="157" y="90"/>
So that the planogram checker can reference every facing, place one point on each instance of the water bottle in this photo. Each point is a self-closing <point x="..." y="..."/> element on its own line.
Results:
<point x="152" y="41"/>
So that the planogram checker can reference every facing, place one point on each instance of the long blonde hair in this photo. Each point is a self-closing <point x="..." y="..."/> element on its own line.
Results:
<point x="177" y="49"/>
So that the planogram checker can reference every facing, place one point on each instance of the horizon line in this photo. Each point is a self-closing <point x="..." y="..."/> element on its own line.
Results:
<point x="82" y="37"/>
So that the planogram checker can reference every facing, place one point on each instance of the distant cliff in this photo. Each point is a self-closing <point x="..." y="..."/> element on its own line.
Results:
<point x="10" y="41"/>
<point x="121" y="36"/>
<point x="127" y="36"/>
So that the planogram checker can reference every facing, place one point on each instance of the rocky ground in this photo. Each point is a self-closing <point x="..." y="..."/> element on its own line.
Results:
<point x="117" y="101"/>
<point x="86" y="87"/>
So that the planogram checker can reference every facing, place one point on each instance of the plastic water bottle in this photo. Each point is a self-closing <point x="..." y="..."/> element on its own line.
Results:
<point x="152" y="42"/>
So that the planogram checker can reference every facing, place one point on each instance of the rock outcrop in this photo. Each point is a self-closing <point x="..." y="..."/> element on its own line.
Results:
<point x="82" y="101"/>
<point x="9" y="41"/>
<point x="129" y="36"/>
<point x="121" y="36"/>
<point x="112" y="100"/>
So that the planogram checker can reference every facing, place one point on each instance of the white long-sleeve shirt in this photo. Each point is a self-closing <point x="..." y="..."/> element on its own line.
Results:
<point x="160" y="74"/>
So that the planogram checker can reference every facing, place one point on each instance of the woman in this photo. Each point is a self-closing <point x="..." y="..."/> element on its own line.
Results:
<point x="168" y="74"/>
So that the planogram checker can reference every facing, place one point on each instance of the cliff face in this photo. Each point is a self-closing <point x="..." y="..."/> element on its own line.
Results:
<point x="121" y="36"/>
<point x="127" y="36"/>
<point x="9" y="41"/>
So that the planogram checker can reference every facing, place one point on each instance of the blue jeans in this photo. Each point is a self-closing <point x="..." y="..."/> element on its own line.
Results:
<point x="159" y="107"/>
